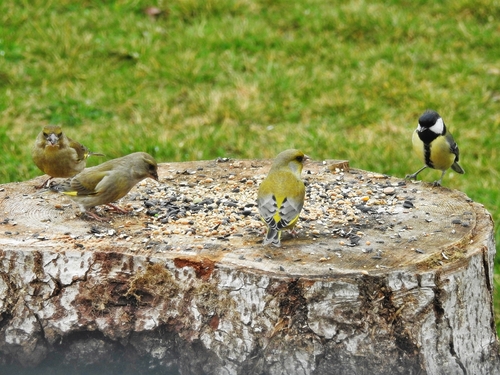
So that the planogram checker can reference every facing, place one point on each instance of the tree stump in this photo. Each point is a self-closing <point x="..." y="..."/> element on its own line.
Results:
<point x="384" y="276"/>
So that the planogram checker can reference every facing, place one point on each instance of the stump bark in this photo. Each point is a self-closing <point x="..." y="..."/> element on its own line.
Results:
<point x="384" y="276"/>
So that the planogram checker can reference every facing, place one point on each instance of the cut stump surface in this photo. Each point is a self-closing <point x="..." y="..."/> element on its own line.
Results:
<point x="383" y="274"/>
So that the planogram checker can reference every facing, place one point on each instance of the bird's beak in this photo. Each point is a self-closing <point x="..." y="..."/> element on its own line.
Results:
<point x="52" y="139"/>
<point x="306" y="158"/>
<point x="154" y="176"/>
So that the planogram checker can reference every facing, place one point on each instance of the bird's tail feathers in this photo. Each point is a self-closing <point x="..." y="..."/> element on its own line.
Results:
<point x="62" y="187"/>
<point x="71" y="193"/>
<point x="457" y="168"/>
<point x="272" y="237"/>
<point x="90" y="153"/>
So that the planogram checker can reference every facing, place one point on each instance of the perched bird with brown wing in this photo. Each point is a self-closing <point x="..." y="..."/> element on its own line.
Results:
<point x="57" y="155"/>
<point x="281" y="194"/>
<point x="109" y="181"/>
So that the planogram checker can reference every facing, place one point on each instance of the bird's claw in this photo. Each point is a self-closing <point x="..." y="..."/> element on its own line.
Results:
<point x="92" y="216"/>
<point x="46" y="184"/>
<point x="117" y="208"/>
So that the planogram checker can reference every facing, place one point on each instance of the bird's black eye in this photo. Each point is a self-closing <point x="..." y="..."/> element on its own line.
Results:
<point x="299" y="158"/>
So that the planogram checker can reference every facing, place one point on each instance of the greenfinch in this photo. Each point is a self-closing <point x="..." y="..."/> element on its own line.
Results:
<point x="109" y="181"/>
<point x="57" y="155"/>
<point x="435" y="145"/>
<point x="281" y="194"/>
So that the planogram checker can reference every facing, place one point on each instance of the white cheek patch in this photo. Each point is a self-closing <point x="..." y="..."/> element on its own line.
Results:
<point x="438" y="127"/>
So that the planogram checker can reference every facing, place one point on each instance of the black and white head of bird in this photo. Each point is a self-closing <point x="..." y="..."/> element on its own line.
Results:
<point x="431" y="121"/>
<point x="430" y="126"/>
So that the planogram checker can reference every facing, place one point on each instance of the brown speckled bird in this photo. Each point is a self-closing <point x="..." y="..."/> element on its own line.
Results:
<point x="109" y="181"/>
<point x="57" y="155"/>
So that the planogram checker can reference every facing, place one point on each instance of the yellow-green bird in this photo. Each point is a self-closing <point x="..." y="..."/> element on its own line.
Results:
<point x="435" y="145"/>
<point x="57" y="155"/>
<point x="109" y="181"/>
<point x="281" y="194"/>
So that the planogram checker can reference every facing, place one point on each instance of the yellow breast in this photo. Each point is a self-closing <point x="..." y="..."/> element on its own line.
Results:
<point x="440" y="155"/>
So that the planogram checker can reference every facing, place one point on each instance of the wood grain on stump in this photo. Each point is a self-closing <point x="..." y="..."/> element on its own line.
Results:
<point x="383" y="276"/>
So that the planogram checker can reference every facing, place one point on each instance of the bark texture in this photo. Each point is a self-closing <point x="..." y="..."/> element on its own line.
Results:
<point x="418" y="302"/>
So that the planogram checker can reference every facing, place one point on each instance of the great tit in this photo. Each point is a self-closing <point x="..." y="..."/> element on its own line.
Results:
<point x="435" y="145"/>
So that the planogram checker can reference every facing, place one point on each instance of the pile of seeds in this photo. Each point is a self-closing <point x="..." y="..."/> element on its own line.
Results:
<point x="351" y="219"/>
<point x="338" y="203"/>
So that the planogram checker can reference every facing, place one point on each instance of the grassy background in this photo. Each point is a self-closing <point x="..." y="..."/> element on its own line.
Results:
<point x="250" y="78"/>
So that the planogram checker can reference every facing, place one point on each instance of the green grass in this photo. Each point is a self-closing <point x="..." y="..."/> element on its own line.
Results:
<point x="247" y="79"/>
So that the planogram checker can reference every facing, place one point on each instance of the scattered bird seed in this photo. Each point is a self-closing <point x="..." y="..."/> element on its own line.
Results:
<point x="408" y="204"/>
<point x="389" y="191"/>
<point x="192" y="203"/>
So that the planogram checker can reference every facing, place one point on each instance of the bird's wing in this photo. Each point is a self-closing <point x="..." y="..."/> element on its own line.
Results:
<point x="279" y="212"/>
<point x="87" y="183"/>
<point x="453" y="145"/>
<point x="82" y="152"/>
<point x="268" y="207"/>
<point x="289" y="210"/>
